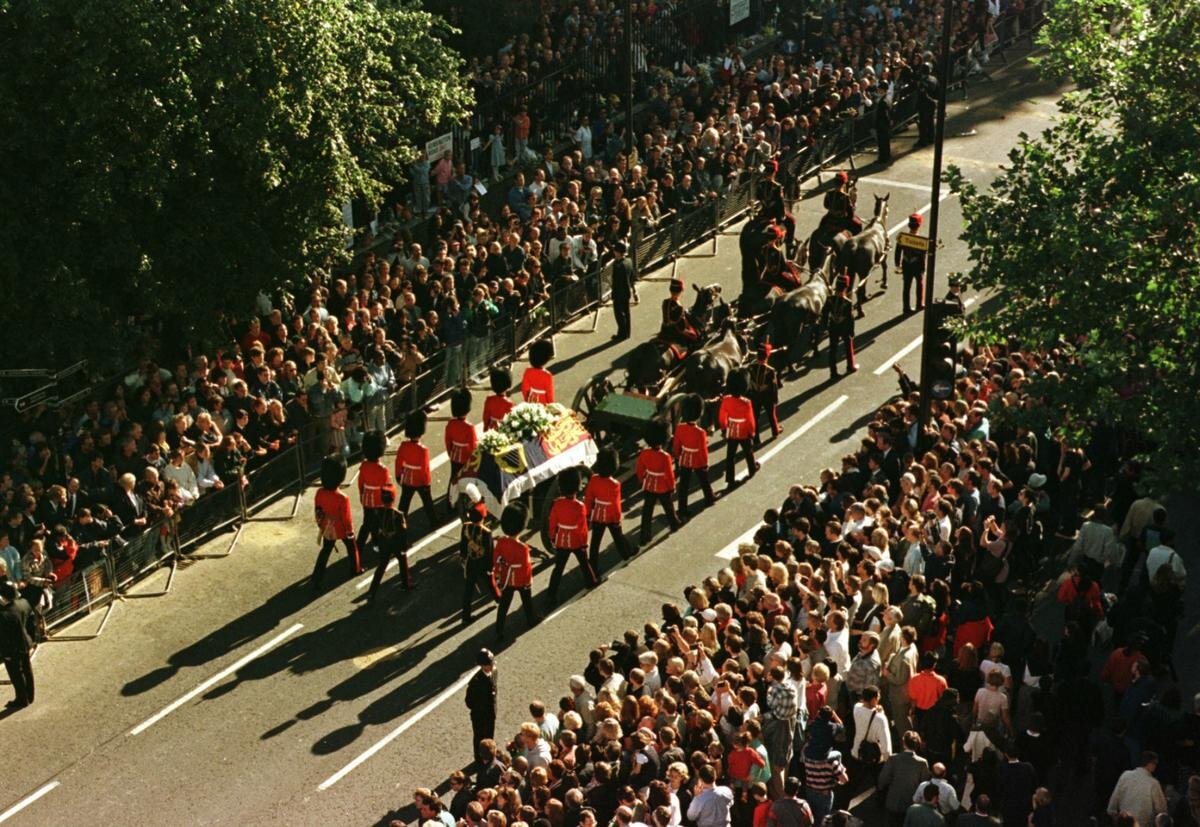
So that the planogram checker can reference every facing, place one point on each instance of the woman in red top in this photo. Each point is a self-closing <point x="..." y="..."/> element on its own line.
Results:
<point x="498" y="404"/>
<point x="512" y="568"/>
<point x="460" y="434"/>
<point x="569" y="532"/>
<point x="690" y="449"/>
<point x="657" y="475"/>
<point x="537" y="383"/>
<point x="412" y="468"/>
<point x="602" y="502"/>
<point x="736" y="418"/>
<point x="333" y="518"/>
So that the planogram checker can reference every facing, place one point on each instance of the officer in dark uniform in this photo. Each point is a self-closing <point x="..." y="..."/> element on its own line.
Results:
<point x="772" y="204"/>
<point x="476" y="546"/>
<point x="481" y="700"/>
<point x="839" y="209"/>
<point x="927" y="91"/>
<point x="912" y="262"/>
<point x="391" y="533"/>
<point x="764" y="393"/>
<point x="16" y="641"/>
<point x="841" y="326"/>
<point x="623" y="277"/>
<point x="883" y="129"/>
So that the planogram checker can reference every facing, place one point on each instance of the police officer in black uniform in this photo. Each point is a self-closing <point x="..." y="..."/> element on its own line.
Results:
<point x="764" y="393"/>
<point x="912" y="262"/>
<point x="841" y="326"/>
<point x="927" y="91"/>
<point x="883" y="129"/>
<point x="481" y="700"/>
<point x="623" y="277"/>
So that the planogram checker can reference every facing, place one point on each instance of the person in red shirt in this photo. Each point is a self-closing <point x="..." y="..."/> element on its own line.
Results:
<point x="537" y="383"/>
<point x="512" y="568"/>
<point x="498" y="404"/>
<point x="656" y="472"/>
<point x="736" y="418"/>
<point x="689" y="446"/>
<point x="602" y="502"/>
<point x="740" y="760"/>
<point x="373" y="479"/>
<point x="925" y="687"/>
<point x="412" y="468"/>
<point x="460" y="434"/>
<point x="332" y="509"/>
<point x="569" y="532"/>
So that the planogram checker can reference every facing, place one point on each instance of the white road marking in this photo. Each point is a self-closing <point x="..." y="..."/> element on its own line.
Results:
<point x="945" y="194"/>
<point x="861" y="797"/>
<point x="888" y="182"/>
<point x="27" y="800"/>
<point x="424" y="541"/>
<point x="909" y="348"/>
<point x="397" y="732"/>
<point x="217" y="678"/>
<point x="730" y="551"/>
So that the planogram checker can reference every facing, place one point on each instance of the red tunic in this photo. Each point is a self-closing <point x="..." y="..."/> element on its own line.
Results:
<point x="412" y="464"/>
<point x="568" y="524"/>
<point x="655" y="470"/>
<point x="460" y="440"/>
<point x="335" y="506"/>
<point x="602" y="500"/>
<point x="537" y="385"/>
<point x="494" y="409"/>
<point x="373" y="478"/>
<point x="690" y="445"/>
<point x="512" y="567"/>
<point x="736" y="417"/>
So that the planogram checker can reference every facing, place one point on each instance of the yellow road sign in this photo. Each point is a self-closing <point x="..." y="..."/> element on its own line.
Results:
<point x="914" y="242"/>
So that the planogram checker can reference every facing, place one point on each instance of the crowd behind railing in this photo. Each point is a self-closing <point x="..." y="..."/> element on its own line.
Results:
<point x="970" y="618"/>
<point x="158" y="460"/>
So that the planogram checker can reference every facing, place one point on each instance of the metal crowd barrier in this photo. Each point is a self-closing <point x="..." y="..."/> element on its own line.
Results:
<point x="87" y="590"/>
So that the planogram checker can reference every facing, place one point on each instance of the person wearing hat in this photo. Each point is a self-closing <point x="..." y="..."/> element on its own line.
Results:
<point x="676" y="327"/>
<point x="656" y="473"/>
<point x="476" y="548"/>
<point x="460" y="437"/>
<point x="841" y="326"/>
<point x="764" y="392"/>
<point x="412" y="467"/>
<point x="736" y="418"/>
<point x="332" y="512"/>
<point x="623" y="277"/>
<point x="772" y="204"/>
<point x="373" y="479"/>
<point x="512" y="568"/>
<point x="568" y="529"/>
<point x="778" y="274"/>
<point x="498" y="404"/>
<point x="17" y="635"/>
<point x="689" y="445"/>
<point x="391" y="532"/>
<point x="537" y="383"/>
<point x="839" y="206"/>
<point x="912" y="263"/>
<point x="602" y="502"/>
<point x="481" y="700"/>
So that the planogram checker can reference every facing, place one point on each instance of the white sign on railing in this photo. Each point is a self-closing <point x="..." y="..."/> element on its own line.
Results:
<point x="739" y="10"/>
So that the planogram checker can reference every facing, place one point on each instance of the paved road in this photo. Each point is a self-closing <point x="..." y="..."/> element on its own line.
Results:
<point x="241" y="699"/>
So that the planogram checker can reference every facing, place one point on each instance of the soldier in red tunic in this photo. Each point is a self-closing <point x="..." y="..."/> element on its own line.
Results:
<point x="657" y="475"/>
<point x="392" y="533"/>
<point x="460" y="434"/>
<point x="602" y="501"/>
<point x="412" y="468"/>
<point x="736" y="418"/>
<point x="498" y="404"/>
<point x="537" y="383"/>
<point x="690" y="449"/>
<point x="569" y="532"/>
<point x="373" y="479"/>
<point x="512" y="568"/>
<point x="332" y="509"/>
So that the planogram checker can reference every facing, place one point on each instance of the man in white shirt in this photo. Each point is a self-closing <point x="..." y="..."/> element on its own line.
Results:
<point x="648" y="661"/>
<point x="1164" y="555"/>
<point x="1097" y="541"/>
<point x="947" y="798"/>
<point x="870" y="724"/>
<point x="547" y="721"/>
<point x="712" y="802"/>
<point x="837" y="643"/>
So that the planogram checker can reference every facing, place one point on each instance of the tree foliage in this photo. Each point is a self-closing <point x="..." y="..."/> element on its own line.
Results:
<point x="162" y="163"/>
<point x="1089" y="236"/>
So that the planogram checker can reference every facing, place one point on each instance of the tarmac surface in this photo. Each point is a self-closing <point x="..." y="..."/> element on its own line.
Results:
<point x="240" y="698"/>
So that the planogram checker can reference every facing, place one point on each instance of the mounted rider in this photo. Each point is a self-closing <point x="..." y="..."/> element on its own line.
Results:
<point x="839" y="208"/>
<point x="772" y="204"/>
<point x="778" y="274"/>
<point x="677" y="327"/>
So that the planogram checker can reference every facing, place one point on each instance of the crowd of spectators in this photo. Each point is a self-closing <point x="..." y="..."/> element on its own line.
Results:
<point x="878" y="632"/>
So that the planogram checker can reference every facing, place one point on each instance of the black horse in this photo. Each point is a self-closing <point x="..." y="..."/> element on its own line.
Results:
<point x="758" y="295"/>
<point x="706" y="370"/>
<point x="798" y="317"/>
<point x="650" y="361"/>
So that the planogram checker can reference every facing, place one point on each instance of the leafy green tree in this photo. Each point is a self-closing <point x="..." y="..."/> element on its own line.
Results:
<point x="1089" y="237"/>
<point x="161" y="163"/>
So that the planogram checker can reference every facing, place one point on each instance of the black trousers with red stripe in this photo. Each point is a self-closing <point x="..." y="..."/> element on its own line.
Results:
<point x="560" y="564"/>
<point x="747" y="448"/>
<point x="664" y="499"/>
<point x="685" y="484"/>
<point x="618" y="536"/>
